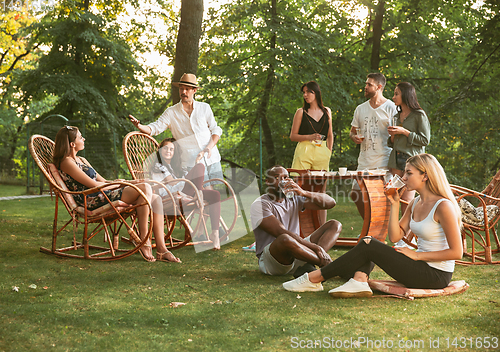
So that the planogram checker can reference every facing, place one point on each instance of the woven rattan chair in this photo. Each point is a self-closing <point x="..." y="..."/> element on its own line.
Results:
<point x="482" y="234"/>
<point x="107" y="220"/>
<point x="137" y="148"/>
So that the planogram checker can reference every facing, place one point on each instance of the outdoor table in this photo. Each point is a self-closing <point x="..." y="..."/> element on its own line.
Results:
<point x="376" y="205"/>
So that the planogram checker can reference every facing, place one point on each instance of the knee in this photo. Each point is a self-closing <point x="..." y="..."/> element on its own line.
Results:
<point x="285" y="241"/>
<point x="371" y="242"/>
<point x="215" y="196"/>
<point x="199" y="169"/>
<point x="334" y="225"/>
<point x="146" y="189"/>
<point x="156" y="199"/>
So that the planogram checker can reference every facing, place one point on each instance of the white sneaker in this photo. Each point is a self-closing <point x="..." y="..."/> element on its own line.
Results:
<point x="302" y="284"/>
<point x="352" y="288"/>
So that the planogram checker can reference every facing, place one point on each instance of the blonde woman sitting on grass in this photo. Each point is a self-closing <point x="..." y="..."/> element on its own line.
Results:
<point x="434" y="216"/>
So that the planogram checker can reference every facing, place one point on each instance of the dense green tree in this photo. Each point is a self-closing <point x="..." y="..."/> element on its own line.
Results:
<point x="256" y="57"/>
<point x="89" y="68"/>
<point x="188" y="40"/>
<point x="87" y="65"/>
<point x="15" y="55"/>
<point x="469" y="115"/>
<point x="435" y="46"/>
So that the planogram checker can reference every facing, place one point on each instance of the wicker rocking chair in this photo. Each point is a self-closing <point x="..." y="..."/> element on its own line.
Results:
<point x="479" y="224"/>
<point x="109" y="219"/>
<point x="137" y="148"/>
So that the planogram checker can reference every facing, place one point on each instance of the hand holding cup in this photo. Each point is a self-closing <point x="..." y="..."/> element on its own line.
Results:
<point x="393" y="187"/>
<point x="359" y="135"/>
<point x="318" y="139"/>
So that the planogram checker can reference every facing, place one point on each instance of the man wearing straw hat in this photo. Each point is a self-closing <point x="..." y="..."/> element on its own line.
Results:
<point x="193" y="125"/>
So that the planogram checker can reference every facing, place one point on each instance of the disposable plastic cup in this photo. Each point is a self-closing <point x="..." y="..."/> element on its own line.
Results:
<point x="342" y="171"/>
<point x="395" y="183"/>
<point x="283" y="184"/>
<point x="358" y="133"/>
<point x="318" y="142"/>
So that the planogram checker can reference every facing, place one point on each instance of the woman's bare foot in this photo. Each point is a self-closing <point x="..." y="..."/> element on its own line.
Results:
<point x="167" y="257"/>
<point x="214" y="237"/>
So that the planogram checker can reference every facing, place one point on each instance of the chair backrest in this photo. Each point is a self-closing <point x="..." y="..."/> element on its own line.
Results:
<point x="493" y="189"/>
<point x="68" y="197"/>
<point x="137" y="147"/>
<point x="41" y="149"/>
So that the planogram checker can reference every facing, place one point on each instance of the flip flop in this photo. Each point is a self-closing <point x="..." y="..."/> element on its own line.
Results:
<point x="160" y="257"/>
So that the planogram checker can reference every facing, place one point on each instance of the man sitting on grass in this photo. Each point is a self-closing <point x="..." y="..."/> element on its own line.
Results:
<point x="275" y="220"/>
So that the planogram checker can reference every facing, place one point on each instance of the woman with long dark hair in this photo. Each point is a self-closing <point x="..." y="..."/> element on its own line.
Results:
<point x="79" y="175"/>
<point x="312" y="128"/>
<point x="167" y="166"/>
<point x="409" y="133"/>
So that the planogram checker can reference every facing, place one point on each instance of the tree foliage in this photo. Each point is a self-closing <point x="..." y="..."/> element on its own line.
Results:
<point x="438" y="47"/>
<point x="254" y="56"/>
<point x="15" y="55"/>
<point x="301" y="42"/>
<point x="87" y="65"/>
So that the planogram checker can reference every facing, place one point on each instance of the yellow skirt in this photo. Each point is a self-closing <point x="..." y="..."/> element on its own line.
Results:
<point x="308" y="156"/>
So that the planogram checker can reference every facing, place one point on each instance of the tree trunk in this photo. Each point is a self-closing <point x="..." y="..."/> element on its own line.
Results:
<point x="262" y="115"/>
<point x="377" y="36"/>
<point x="188" y="42"/>
<point x="264" y="102"/>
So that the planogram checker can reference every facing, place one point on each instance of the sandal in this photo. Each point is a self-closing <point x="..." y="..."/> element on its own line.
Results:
<point x="161" y="257"/>
<point x="150" y="260"/>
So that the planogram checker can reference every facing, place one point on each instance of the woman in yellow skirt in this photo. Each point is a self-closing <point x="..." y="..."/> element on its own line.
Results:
<point x="312" y="128"/>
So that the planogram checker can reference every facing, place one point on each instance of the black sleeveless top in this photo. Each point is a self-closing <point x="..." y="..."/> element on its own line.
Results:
<point x="310" y="126"/>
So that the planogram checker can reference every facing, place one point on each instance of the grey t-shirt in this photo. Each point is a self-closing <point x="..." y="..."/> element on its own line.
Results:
<point x="287" y="212"/>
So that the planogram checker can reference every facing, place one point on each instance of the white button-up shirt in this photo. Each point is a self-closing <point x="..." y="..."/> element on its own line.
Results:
<point x="193" y="133"/>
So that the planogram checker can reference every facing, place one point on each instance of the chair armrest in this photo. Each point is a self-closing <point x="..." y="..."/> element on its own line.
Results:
<point x="107" y="186"/>
<point x="462" y="192"/>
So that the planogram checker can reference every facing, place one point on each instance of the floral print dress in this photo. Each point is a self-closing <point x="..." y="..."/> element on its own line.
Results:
<point x="94" y="200"/>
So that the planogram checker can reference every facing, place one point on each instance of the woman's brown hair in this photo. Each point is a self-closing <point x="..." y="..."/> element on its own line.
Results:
<point x="313" y="87"/>
<point x="176" y="159"/>
<point x="64" y="137"/>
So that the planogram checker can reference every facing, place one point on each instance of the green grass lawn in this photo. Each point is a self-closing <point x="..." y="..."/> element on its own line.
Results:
<point x="11" y="190"/>
<point x="77" y="305"/>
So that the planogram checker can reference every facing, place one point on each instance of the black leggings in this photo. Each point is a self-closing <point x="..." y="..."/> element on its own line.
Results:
<point x="409" y="272"/>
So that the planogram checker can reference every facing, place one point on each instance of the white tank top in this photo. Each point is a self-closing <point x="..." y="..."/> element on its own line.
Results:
<point x="431" y="237"/>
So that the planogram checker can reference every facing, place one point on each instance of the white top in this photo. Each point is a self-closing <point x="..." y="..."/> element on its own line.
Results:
<point x="193" y="133"/>
<point x="431" y="236"/>
<point x="373" y="123"/>
<point x="158" y="172"/>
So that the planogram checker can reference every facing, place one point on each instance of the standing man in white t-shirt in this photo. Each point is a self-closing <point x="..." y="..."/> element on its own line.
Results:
<point x="372" y="117"/>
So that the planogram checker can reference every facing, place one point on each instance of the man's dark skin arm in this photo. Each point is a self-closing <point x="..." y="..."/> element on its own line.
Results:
<point x="317" y="201"/>
<point x="275" y="228"/>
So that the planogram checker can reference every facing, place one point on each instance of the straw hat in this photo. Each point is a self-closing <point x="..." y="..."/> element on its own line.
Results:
<point x="187" y="79"/>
